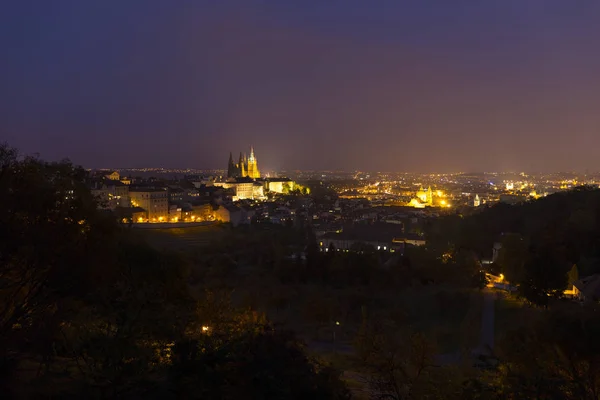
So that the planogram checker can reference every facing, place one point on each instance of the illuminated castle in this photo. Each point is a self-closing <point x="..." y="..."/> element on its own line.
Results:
<point x="247" y="167"/>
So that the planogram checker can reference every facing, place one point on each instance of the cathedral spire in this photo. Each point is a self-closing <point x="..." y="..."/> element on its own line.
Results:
<point x="231" y="167"/>
<point x="252" y="165"/>
<point x="241" y="168"/>
<point x="245" y="167"/>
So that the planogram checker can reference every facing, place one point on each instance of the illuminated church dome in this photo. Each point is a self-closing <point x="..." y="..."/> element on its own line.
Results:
<point x="425" y="196"/>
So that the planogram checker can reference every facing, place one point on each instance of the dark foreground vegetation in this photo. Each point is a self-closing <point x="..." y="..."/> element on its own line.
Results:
<point x="90" y="309"/>
<point x="544" y="245"/>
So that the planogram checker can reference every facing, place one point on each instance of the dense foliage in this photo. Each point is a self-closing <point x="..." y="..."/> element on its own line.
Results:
<point x="91" y="311"/>
<point x="548" y="349"/>
<point x="540" y="241"/>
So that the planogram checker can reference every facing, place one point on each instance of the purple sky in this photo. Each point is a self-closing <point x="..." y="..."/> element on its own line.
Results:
<point x="350" y="84"/>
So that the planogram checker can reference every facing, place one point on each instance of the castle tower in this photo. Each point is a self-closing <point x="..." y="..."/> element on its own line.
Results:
<point x="242" y="167"/>
<point x="253" y="171"/>
<point x="230" y="167"/>
<point x="233" y="169"/>
<point x="422" y="195"/>
<point x="429" y="196"/>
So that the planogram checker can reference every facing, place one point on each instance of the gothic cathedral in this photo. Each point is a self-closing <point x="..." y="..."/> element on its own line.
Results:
<point x="247" y="167"/>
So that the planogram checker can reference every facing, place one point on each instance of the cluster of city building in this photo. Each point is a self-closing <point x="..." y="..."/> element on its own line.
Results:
<point x="390" y="211"/>
<point x="350" y="210"/>
<point x="457" y="191"/>
<point x="191" y="198"/>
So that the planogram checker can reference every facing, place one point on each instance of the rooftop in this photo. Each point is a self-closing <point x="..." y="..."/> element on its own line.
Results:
<point x="146" y="189"/>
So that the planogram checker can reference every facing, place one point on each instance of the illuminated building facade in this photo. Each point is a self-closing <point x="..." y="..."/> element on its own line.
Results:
<point x="113" y="176"/>
<point x="280" y="185"/>
<point x="154" y="201"/>
<point x="244" y="188"/>
<point x="111" y="194"/>
<point x="426" y="196"/>
<point x="423" y="199"/>
<point x="246" y="167"/>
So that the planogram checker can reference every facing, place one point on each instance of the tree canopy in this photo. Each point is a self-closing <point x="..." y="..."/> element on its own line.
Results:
<point x="539" y="240"/>
<point x="90" y="310"/>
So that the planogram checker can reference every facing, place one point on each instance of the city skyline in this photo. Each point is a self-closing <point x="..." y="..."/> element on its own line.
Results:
<point x="428" y="87"/>
<point x="371" y="174"/>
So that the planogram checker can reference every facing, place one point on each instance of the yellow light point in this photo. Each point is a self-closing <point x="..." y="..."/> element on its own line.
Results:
<point x="443" y="202"/>
<point x="160" y="218"/>
<point x="205" y="328"/>
<point x="140" y="219"/>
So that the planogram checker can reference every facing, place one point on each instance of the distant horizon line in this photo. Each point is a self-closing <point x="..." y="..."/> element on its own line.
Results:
<point x="355" y="171"/>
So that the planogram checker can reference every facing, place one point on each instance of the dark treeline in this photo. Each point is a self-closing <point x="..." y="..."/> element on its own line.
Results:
<point x="89" y="310"/>
<point x="547" y="349"/>
<point x="540" y="241"/>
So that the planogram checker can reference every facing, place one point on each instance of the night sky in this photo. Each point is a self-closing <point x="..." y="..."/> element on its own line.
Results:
<point x="424" y="86"/>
